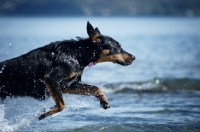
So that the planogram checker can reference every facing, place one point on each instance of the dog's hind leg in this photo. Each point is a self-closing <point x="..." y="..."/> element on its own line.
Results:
<point x="56" y="94"/>
<point x="84" y="89"/>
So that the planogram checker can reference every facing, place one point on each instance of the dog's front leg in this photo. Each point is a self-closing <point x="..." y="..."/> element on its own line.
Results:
<point x="84" y="89"/>
<point x="56" y="94"/>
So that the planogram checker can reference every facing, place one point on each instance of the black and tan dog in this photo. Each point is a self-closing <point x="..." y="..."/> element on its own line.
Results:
<point x="59" y="66"/>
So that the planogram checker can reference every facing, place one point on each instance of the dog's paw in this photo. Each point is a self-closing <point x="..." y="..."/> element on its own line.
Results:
<point x="42" y="116"/>
<point x="104" y="104"/>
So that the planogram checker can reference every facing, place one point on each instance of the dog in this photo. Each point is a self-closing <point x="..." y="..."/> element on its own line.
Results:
<point x="56" y="69"/>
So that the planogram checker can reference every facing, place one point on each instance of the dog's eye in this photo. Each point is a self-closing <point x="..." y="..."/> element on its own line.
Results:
<point x="118" y="45"/>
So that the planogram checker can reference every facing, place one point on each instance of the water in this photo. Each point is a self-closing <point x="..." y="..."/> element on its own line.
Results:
<point x="158" y="92"/>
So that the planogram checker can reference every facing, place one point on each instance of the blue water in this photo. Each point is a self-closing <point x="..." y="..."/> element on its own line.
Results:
<point x="158" y="92"/>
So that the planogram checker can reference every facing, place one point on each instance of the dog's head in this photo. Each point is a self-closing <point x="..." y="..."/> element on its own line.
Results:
<point x="111" y="50"/>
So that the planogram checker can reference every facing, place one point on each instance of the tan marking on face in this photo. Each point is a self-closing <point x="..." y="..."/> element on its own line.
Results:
<point x="110" y="58"/>
<point x="71" y="75"/>
<point x="95" y="37"/>
<point x="128" y="58"/>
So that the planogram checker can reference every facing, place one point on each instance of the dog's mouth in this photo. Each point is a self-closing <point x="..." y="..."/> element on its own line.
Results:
<point x="123" y="63"/>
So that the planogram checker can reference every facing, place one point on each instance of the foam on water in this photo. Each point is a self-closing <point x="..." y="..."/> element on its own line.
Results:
<point x="154" y="86"/>
<point x="18" y="113"/>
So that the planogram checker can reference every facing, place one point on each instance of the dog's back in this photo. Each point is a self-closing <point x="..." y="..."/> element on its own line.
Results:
<point x="23" y="75"/>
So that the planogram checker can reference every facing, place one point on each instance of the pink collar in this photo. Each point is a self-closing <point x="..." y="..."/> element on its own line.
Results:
<point x="91" y="64"/>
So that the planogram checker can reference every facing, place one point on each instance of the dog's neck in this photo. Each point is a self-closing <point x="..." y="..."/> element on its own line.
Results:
<point x="89" y="52"/>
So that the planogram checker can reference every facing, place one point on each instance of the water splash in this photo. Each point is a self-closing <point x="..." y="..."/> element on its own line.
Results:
<point x="86" y="11"/>
<point x="2" y="68"/>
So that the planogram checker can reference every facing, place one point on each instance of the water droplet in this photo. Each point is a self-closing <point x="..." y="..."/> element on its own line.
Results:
<point x="157" y="81"/>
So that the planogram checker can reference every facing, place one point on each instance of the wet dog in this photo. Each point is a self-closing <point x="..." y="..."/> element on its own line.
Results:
<point x="57" y="68"/>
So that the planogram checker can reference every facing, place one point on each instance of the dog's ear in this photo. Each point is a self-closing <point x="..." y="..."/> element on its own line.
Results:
<point x="97" y="29"/>
<point x="93" y="33"/>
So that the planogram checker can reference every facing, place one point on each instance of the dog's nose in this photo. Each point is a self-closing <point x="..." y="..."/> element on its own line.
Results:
<point x="133" y="57"/>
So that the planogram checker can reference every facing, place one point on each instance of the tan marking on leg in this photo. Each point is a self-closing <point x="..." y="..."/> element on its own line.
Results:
<point x="84" y="89"/>
<point x="71" y="75"/>
<point x="58" y="100"/>
<point x="57" y="97"/>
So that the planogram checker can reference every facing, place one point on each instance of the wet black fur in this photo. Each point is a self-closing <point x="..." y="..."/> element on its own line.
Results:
<point x="23" y="75"/>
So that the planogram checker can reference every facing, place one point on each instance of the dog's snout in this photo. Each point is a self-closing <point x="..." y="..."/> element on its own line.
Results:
<point x="129" y="59"/>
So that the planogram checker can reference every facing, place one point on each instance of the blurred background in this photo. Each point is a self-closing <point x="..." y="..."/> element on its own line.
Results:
<point x="158" y="92"/>
<point x="100" y="8"/>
